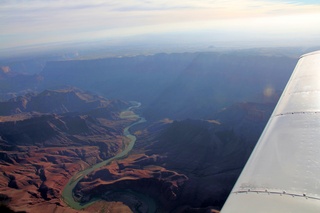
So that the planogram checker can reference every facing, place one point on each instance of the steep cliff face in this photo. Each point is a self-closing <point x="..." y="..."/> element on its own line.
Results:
<point x="13" y="83"/>
<point x="57" y="134"/>
<point x="58" y="101"/>
<point x="178" y="86"/>
<point x="210" y="153"/>
<point x="188" y="165"/>
<point x="137" y="173"/>
<point x="59" y="131"/>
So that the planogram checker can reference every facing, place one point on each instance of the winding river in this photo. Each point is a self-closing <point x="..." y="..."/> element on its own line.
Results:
<point x="67" y="193"/>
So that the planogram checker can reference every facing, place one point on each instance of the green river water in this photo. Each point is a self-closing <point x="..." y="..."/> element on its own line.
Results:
<point x="67" y="193"/>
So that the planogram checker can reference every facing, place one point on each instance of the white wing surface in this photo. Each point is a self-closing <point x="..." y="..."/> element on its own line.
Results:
<point x="283" y="172"/>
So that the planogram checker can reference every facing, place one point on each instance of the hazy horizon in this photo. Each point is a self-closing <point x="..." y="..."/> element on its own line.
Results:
<point x="153" y="106"/>
<point x="36" y="26"/>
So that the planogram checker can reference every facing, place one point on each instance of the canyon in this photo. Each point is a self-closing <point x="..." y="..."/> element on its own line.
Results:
<point x="204" y="113"/>
<point x="41" y="150"/>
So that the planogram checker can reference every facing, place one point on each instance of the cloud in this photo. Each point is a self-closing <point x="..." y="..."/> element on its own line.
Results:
<point x="38" y="22"/>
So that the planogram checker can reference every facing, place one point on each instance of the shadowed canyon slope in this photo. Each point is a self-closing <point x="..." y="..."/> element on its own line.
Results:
<point x="41" y="150"/>
<point x="204" y="111"/>
<point x="181" y="85"/>
<point x="185" y="85"/>
<point x="183" y="165"/>
<point x="59" y="101"/>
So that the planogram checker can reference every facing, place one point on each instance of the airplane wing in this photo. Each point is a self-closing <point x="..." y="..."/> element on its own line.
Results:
<point x="283" y="172"/>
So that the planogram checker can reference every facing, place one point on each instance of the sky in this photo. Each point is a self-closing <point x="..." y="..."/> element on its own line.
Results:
<point x="31" y="24"/>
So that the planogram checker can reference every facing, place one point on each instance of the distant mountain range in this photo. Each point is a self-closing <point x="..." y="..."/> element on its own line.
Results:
<point x="53" y="101"/>
<point x="204" y="111"/>
<point x="178" y="86"/>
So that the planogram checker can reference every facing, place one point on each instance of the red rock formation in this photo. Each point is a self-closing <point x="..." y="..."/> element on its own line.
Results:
<point x="138" y="173"/>
<point x="40" y="152"/>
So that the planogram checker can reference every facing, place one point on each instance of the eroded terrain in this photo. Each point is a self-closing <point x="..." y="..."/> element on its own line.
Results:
<point x="41" y="151"/>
